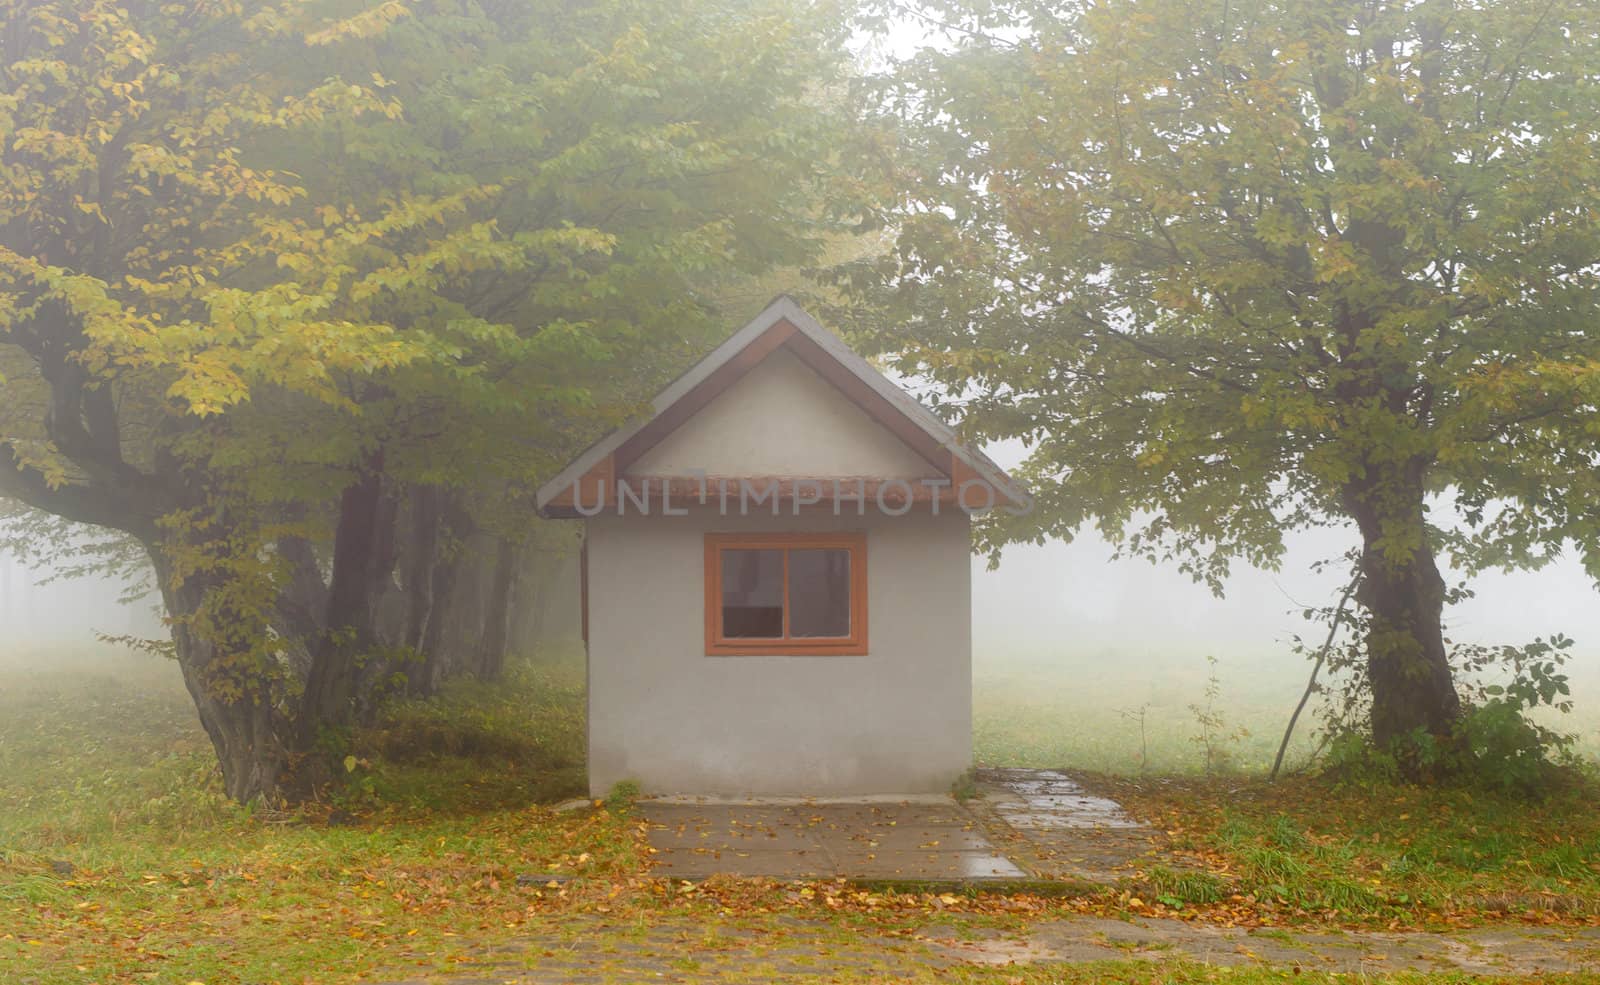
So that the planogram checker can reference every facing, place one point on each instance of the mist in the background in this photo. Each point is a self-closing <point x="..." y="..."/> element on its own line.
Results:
<point x="1052" y="602"/>
<point x="1071" y="597"/>
<point x="1042" y="602"/>
<point x="1079" y="659"/>
<point x="68" y="612"/>
<point x="1102" y="663"/>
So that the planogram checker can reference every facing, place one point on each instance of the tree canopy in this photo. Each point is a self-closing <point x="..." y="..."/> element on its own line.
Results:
<point x="271" y="272"/>
<point x="1237" y="268"/>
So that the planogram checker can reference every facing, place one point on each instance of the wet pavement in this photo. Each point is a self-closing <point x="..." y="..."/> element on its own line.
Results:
<point x="1047" y="823"/>
<point x="578" y="949"/>
<point x="1481" y="952"/>
<point x="1026" y="824"/>
<point x="1047" y="800"/>
<point x="935" y="840"/>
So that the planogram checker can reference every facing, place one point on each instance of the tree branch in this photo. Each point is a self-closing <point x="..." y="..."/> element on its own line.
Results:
<point x="1155" y="352"/>
<point x="97" y="505"/>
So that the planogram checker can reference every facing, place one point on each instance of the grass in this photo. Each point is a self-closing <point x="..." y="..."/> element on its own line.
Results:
<point x="479" y="746"/>
<point x="1129" y="714"/>
<point x="120" y="861"/>
<point x="1124" y="717"/>
<point x="95" y="746"/>
<point x="1308" y="847"/>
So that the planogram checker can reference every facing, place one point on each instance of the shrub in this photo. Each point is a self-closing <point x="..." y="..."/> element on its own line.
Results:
<point x="1495" y="744"/>
<point x="1176" y="887"/>
<point x="1501" y="748"/>
<point x="623" y="794"/>
<point x="476" y="745"/>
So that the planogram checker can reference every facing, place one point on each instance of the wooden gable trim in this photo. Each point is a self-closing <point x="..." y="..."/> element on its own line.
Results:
<point x="784" y="335"/>
<point x="593" y="489"/>
<point x="871" y="403"/>
<point x="707" y="390"/>
<point x="596" y="489"/>
<point x="961" y="473"/>
<point x="782" y="324"/>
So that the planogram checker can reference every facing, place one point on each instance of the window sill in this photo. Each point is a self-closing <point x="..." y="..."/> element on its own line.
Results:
<point x="787" y="649"/>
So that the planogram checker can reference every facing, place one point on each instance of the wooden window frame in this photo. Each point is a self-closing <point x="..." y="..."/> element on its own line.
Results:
<point x="854" y="645"/>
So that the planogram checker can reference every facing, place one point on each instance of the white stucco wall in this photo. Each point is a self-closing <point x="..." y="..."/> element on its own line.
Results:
<point x="661" y="712"/>
<point x="782" y="419"/>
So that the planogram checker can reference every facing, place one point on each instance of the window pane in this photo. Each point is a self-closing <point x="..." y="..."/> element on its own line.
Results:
<point x="819" y="592"/>
<point x="752" y="594"/>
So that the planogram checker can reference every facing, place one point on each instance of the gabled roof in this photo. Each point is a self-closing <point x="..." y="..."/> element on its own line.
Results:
<point x="782" y="325"/>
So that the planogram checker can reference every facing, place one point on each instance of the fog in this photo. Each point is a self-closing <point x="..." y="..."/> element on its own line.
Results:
<point x="1078" y="659"/>
<point x="1067" y="642"/>
<point x="1047" y="602"/>
<point x="66" y="613"/>
<point x="1064" y="597"/>
<point x="1078" y="634"/>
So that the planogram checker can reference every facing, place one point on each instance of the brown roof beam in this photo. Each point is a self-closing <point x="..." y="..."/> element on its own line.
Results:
<point x="706" y="391"/>
<point x="872" y="403"/>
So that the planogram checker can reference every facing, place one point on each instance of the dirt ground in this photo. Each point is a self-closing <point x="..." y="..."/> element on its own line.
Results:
<point x="1034" y="826"/>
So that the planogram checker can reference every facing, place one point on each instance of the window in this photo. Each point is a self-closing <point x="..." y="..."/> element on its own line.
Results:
<point x="786" y="593"/>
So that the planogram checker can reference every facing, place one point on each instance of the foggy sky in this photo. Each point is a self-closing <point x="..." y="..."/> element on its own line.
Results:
<point x="1064" y="598"/>
<point x="66" y="612"/>
<point x="1055" y="599"/>
<point x="1071" y="598"/>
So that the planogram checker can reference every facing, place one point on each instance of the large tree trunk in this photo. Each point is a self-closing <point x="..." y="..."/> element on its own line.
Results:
<point x="421" y="557"/>
<point x="238" y="701"/>
<point x="492" y="644"/>
<point x="440" y="530"/>
<point x="1403" y="593"/>
<point x="264" y="740"/>
<point x="362" y="545"/>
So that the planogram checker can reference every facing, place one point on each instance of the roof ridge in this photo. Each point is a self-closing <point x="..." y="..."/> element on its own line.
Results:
<point x="781" y="308"/>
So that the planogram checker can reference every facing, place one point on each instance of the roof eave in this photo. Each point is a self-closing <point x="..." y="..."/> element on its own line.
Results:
<point x="782" y="308"/>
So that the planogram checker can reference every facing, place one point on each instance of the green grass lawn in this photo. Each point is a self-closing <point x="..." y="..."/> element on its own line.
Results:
<point x="1114" y="715"/>
<point x="121" y="862"/>
<point x="1308" y="847"/>
<point x="1128" y="713"/>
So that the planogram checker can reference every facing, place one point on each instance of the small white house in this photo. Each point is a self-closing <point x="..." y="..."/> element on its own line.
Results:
<point x="777" y="595"/>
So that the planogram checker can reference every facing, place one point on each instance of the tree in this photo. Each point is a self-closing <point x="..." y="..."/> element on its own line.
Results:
<point x="1237" y="267"/>
<point x="280" y="282"/>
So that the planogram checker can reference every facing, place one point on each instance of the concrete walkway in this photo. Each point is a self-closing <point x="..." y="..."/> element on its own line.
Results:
<point x="1026" y="824"/>
<point x="934" y="840"/>
<point x="583" y="949"/>
<point x="1045" y="822"/>
<point x="1505" y="950"/>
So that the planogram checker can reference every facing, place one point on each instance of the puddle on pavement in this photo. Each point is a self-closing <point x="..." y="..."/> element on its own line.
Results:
<point x="1050" y="799"/>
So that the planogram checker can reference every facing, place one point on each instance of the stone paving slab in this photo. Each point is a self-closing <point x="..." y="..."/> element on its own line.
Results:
<point x="1026" y="823"/>
<point x="1036" y="823"/>
<point x="675" y="948"/>
<point x="962" y="866"/>
<point x="1484" y="951"/>
<point x="922" y="840"/>
<point x="765" y="865"/>
<point x="1047" y="823"/>
<point x="1049" y="800"/>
